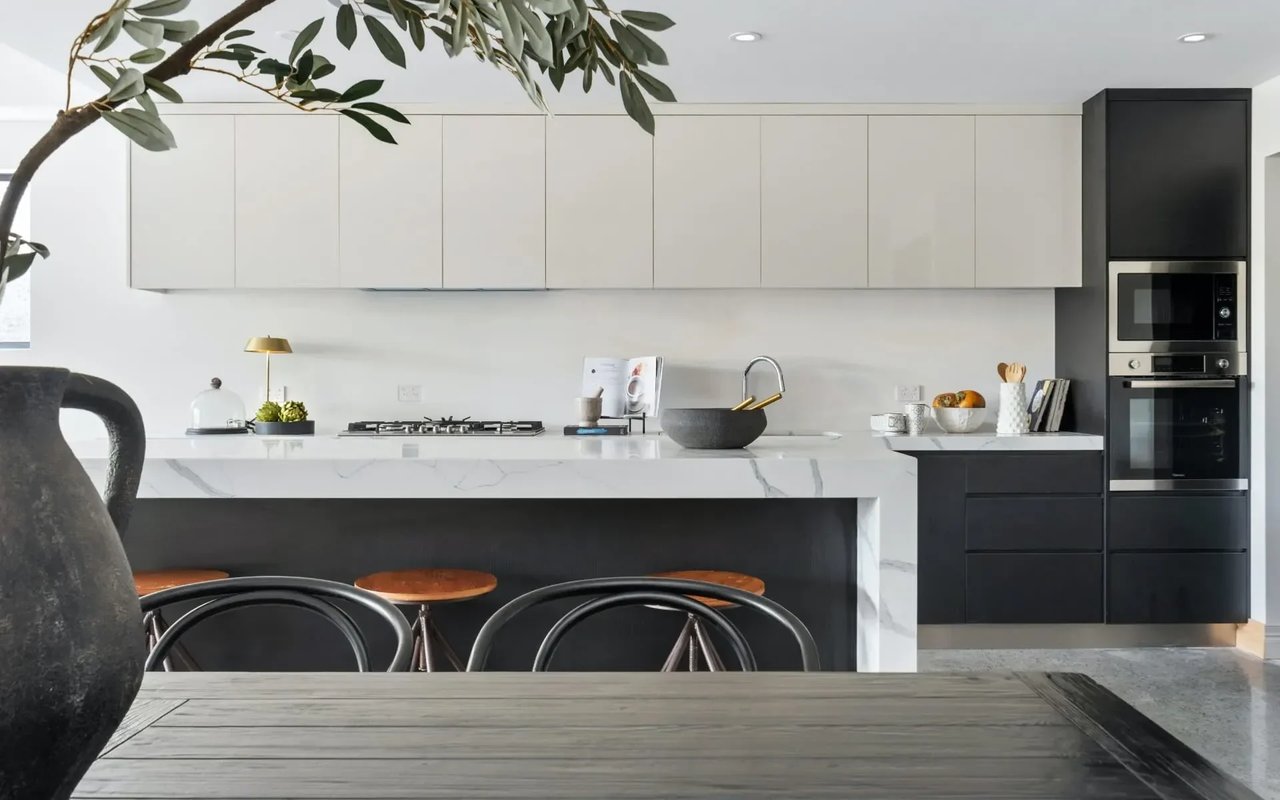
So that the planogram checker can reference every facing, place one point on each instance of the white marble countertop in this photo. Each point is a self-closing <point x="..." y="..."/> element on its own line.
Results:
<point x="988" y="441"/>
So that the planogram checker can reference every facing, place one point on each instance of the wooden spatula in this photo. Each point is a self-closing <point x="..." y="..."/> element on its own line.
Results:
<point x="1001" y="368"/>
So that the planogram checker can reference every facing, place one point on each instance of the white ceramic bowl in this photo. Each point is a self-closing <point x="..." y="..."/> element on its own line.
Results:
<point x="959" y="420"/>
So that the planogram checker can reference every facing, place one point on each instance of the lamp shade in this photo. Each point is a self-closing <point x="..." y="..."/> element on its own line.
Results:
<point x="267" y="344"/>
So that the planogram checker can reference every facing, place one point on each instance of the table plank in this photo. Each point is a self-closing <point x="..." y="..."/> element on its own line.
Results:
<point x="593" y="779"/>
<point x="1148" y="751"/>
<point x="666" y="741"/>
<point x="576" y="685"/>
<point x="536" y="711"/>
<point x="143" y="712"/>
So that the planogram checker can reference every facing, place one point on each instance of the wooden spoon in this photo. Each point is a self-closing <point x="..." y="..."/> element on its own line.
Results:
<point x="1001" y="368"/>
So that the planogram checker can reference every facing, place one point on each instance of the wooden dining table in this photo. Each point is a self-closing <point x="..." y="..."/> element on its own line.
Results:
<point x="642" y="735"/>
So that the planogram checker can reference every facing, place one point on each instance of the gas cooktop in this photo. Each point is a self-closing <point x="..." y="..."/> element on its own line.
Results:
<point x="445" y="426"/>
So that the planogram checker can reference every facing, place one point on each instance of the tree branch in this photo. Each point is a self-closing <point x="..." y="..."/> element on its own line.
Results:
<point x="72" y="121"/>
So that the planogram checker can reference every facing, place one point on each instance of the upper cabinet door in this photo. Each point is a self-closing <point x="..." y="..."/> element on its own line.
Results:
<point x="182" y="208"/>
<point x="1178" y="179"/>
<point x="921" y="201"/>
<point x="391" y="207"/>
<point x="814" y="195"/>
<point x="1029" y="178"/>
<point x="494" y="202"/>
<point x="287" y="201"/>
<point x="599" y="204"/>
<point x="706" y="202"/>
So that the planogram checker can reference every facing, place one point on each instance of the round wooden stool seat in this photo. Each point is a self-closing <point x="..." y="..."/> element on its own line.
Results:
<point x="152" y="581"/>
<point x="734" y="580"/>
<point x="428" y="585"/>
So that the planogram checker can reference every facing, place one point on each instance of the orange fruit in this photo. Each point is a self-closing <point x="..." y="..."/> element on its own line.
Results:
<point x="946" y="400"/>
<point x="968" y="398"/>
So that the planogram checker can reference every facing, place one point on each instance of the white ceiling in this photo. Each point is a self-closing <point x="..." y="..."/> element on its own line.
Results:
<point x="856" y="51"/>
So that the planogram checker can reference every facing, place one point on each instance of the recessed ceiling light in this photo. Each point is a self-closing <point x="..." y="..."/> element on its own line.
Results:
<point x="746" y="36"/>
<point x="1193" y="38"/>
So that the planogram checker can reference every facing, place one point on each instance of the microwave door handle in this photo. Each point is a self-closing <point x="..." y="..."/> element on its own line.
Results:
<point x="1191" y="384"/>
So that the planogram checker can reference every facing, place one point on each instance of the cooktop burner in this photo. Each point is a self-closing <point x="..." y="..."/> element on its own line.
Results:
<point x="444" y="426"/>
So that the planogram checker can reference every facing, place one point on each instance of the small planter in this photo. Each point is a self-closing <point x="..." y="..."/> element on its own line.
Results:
<point x="304" y="428"/>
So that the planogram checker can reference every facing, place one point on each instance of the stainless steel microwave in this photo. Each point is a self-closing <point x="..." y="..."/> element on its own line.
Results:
<point x="1177" y="306"/>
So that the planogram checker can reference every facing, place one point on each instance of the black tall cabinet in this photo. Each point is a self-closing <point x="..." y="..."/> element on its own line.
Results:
<point x="1166" y="178"/>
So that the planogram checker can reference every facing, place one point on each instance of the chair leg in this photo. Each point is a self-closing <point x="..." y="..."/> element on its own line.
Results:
<point x="415" y="661"/>
<point x="434" y="631"/>
<point x="155" y="627"/>
<point x="694" y="649"/>
<point x="677" y="651"/>
<point x="709" y="652"/>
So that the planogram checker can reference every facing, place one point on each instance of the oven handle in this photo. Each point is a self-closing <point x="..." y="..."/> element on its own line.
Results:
<point x="1174" y="384"/>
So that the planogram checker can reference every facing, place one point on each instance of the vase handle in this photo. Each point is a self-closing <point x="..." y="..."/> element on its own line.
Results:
<point x="128" y="440"/>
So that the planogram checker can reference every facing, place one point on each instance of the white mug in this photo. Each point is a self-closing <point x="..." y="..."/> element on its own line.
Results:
<point x="917" y="415"/>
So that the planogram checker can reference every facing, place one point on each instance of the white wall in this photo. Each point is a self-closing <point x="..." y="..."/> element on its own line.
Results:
<point x="500" y="354"/>
<point x="1265" y="516"/>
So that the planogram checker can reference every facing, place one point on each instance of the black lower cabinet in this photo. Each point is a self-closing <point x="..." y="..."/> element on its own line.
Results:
<point x="1177" y="587"/>
<point x="1010" y="537"/>
<point x="1034" y="587"/>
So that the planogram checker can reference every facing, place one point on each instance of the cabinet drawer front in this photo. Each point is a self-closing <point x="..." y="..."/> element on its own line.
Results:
<point x="1179" y="523"/>
<point x="1033" y="523"/>
<point x="1033" y="588"/>
<point x="1036" y="473"/>
<point x="1178" y="587"/>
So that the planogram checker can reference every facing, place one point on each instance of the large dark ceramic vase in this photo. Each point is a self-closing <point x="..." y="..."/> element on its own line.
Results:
<point x="71" y="643"/>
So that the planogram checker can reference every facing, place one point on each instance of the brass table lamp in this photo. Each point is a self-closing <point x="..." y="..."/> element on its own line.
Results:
<point x="268" y="345"/>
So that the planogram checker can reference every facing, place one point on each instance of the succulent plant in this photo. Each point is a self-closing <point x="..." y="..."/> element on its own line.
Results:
<point x="293" y="411"/>
<point x="269" y="412"/>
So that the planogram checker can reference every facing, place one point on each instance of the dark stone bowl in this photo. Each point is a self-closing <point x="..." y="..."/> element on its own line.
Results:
<point x="713" y="428"/>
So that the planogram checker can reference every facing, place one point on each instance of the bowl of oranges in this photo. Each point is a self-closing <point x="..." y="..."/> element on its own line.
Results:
<point x="959" y="412"/>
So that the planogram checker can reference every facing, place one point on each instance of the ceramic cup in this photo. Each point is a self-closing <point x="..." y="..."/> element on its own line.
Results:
<point x="588" y="409"/>
<point x="917" y="415"/>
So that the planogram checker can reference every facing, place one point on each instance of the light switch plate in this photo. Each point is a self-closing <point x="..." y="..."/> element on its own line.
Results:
<point x="409" y="393"/>
<point x="907" y="394"/>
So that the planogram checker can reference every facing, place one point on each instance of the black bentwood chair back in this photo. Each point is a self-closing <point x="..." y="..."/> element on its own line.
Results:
<point x="311" y="594"/>
<point x="664" y="592"/>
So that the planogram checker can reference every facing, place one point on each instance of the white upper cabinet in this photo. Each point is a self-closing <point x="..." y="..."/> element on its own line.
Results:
<point x="921" y="201"/>
<point x="706" y="202"/>
<point x="287" y="201"/>
<point x="599" y="203"/>
<point x="495" y="202"/>
<point x="182" y="208"/>
<point x="1029" y="210"/>
<point x="814" y="201"/>
<point x="391" y="206"/>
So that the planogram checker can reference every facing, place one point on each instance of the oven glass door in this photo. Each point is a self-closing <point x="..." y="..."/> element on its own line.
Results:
<point x="1177" y="429"/>
<point x="1164" y="307"/>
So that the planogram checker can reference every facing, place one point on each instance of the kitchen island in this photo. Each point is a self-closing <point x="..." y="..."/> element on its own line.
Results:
<point x="829" y="521"/>
<point x="842" y="505"/>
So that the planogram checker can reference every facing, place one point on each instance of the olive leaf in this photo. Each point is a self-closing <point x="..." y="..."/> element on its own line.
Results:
<point x="127" y="84"/>
<point x="380" y="133"/>
<point x="147" y="34"/>
<point x="146" y="130"/>
<point x="161" y="8"/>
<point x="346" y="24"/>
<point x="386" y="41"/>
<point x="304" y="38"/>
<point x="163" y="89"/>
<point x="381" y="110"/>
<point x="649" y="20"/>
<point x="634" y="103"/>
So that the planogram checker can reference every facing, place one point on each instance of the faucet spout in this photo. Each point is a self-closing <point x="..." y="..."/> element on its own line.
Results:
<point x="782" y="384"/>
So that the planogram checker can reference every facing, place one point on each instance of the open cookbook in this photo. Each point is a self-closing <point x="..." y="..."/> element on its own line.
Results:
<point x="631" y="385"/>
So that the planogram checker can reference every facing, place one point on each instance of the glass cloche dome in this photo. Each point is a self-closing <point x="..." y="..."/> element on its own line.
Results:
<point x="217" y="410"/>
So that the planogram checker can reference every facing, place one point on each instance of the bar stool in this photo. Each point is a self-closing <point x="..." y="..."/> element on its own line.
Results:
<point x="423" y="587"/>
<point x="147" y="582"/>
<point x="694" y="637"/>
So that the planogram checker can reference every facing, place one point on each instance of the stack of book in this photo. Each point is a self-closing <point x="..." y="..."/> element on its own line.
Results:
<point x="1048" y="401"/>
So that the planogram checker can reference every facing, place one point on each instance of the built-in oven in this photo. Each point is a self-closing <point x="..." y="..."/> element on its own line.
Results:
<point x="1177" y="306"/>
<point x="1177" y="422"/>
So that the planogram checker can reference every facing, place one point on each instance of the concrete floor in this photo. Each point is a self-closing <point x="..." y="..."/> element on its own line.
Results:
<point x="1222" y="702"/>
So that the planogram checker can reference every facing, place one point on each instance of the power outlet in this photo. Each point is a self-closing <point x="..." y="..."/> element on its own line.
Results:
<point x="907" y="394"/>
<point x="279" y="394"/>
<point x="409" y="393"/>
